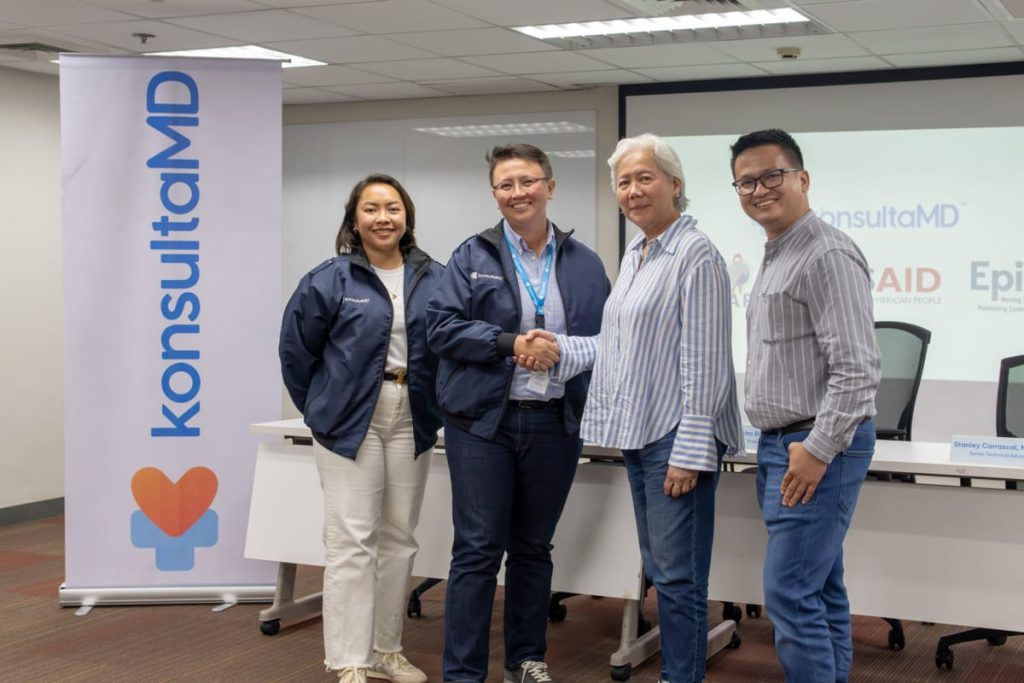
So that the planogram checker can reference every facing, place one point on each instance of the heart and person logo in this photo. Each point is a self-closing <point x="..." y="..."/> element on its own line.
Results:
<point x="174" y="517"/>
<point x="174" y="506"/>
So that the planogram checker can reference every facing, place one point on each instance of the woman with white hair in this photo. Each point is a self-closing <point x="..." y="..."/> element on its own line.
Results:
<point x="663" y="389"/>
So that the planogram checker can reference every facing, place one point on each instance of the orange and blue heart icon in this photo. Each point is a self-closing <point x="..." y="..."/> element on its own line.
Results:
<point x="174" y="518"/>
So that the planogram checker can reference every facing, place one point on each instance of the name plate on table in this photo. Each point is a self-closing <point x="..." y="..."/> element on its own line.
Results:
<point x="751" y="435"/>
<point x="988" y="450"/>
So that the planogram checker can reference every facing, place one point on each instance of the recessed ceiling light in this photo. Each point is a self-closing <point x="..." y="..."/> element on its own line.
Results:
<point x="687" y="22"/>
<point x="573" y="154"/>
<point x="245" y="52"/>
<point x="505" y="129"/>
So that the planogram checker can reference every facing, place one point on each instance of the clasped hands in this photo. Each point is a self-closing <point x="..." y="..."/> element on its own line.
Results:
<point x="536" y="350"/>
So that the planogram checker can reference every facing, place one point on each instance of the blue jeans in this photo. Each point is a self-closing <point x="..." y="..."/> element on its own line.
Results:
<point x="675" y="544"/>
<point x="507" y="495"/>
<point x="803" y="564"/>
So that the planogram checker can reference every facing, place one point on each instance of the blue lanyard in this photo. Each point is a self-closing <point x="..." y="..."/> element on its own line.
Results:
<point x="537" y="299"/>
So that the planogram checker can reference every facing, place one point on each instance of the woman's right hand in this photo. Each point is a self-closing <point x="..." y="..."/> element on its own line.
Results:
<point x="536" y="350"/>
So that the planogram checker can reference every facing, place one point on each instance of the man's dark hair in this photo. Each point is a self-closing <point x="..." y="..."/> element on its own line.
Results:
<point x="348" y="238"/>
<point x="771" y="136"/>
<point x="518" y="151"/>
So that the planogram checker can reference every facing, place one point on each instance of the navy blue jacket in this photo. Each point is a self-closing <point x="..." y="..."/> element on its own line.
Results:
<point x="473" y="319"/>
<point x="334" y="347"/>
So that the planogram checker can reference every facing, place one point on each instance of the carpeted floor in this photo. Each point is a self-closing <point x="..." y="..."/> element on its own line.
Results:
<point x="41" y="642"/>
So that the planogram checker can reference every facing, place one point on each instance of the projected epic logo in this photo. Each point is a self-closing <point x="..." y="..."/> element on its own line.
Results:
<point x="918" y="286"/>
<point x="174" y="518"/>
<point x="1004" y="287"/>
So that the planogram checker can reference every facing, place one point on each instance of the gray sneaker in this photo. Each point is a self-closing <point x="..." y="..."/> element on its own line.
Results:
<point x="528" y="672"/>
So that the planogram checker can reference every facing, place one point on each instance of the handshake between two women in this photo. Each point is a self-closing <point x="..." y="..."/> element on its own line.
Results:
<point x="536" y="350"/>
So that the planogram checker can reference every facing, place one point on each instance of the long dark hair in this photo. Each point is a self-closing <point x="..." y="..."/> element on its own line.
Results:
<point x="348" y="238"/>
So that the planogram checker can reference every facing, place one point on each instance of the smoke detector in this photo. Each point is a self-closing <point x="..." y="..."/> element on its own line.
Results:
<point x="788" y="52"/>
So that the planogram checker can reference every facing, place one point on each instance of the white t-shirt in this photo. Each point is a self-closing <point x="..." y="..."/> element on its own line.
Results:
<point x="398" y="349"/>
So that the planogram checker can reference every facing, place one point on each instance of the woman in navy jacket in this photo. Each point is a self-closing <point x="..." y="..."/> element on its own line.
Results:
<point x="511" y="435"/>
<point x="355" y="361"/>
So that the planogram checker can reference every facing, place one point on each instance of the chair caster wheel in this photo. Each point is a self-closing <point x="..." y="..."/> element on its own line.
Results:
<point x="944" y="660"/>
<point x="753" y="611"/>
<point x="735" y="641"/>
<point x="621" y="673"/>
<point x="414" y="609"/>
<point x="270" y="628"/>
<point x="557" y="612"/>
<point x="897" y="641"/>
<point x="731" y="611"/>
<point x="996" y="641"/>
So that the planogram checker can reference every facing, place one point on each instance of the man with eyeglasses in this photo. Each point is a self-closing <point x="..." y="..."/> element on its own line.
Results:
<point x="812" y="371"/>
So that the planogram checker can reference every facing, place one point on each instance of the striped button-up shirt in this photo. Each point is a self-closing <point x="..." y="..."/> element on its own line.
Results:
<point x="811" y="350"/>
<point x="663" y="359"/>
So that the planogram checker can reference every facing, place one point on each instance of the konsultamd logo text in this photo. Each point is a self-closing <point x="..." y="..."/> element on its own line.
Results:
<point x="917" y="216"/>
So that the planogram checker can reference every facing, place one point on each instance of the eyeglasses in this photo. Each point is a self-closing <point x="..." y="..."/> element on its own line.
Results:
<point x="769" y="180"/>
<point x="526" y="182"/>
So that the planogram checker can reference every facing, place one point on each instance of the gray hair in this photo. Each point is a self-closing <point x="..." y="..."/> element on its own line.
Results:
<point x="662" y="153"/>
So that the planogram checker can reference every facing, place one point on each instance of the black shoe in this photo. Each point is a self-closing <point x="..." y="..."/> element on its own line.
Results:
<point x="528" y="672"/>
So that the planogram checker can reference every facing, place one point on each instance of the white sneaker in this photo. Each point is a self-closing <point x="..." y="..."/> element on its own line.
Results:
<point x="394" y="667"/>
<point x="352" y="674"/>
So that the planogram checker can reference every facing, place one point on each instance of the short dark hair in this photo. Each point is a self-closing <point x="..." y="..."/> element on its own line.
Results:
<point x="348" y="238"/>
<point x="770" y="136"/>
<point x="518" y="151"/>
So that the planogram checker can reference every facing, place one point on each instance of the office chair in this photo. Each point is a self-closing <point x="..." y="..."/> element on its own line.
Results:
<point x="903" y="348"/>
<point x="1009" y="422"/>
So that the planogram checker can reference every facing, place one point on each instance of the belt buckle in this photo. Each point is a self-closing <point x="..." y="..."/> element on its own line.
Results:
<point x="400" y="376"/>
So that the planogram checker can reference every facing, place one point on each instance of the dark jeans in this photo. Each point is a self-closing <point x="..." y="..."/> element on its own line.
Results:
<point x="675" y="544"/>
<point x="804" y="593"/>
<point x="507" y="496"/>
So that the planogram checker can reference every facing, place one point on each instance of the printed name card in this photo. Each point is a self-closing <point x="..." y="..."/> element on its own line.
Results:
<point x="751" y="435"/>
<point x="988" y="450"/>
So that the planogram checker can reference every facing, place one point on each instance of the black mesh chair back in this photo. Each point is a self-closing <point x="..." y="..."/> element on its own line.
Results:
<point x="1010" y="398"/>
<point x="903" y="348"/>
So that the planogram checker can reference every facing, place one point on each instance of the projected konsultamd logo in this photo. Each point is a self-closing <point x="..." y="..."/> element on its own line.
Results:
<point x="910" y="217"/>
<point x="902" y="285"/>
<point x="1000" y="285"/>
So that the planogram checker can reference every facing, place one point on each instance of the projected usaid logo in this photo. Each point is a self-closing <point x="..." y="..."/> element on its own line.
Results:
<point x="918" y="285"/>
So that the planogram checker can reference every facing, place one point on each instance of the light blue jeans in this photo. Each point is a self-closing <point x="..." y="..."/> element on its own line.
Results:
<point x="675" y="544"/>
<point x="804" y="593"/>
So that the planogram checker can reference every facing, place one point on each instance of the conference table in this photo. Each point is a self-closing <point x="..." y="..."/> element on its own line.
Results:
<point x="937" y="553"/>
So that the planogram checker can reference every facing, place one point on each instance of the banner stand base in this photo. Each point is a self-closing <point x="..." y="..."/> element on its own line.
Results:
<point x="163" y="595"/>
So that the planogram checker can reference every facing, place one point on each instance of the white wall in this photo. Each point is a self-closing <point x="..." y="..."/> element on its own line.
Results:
<point x="31" y="334"/>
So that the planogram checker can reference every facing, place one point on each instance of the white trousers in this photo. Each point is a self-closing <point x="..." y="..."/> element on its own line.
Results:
<point x="371" y="507"/>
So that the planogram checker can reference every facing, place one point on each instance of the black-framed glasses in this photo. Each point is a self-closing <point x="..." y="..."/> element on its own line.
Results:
<point x="769" y="180"/>
<point x="526" y="182"/>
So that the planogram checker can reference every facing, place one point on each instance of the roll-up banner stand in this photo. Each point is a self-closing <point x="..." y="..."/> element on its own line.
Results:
<point x="172" y="288"/>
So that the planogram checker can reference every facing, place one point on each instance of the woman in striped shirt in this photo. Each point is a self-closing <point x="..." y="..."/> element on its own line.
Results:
<point x="664" y="389"/>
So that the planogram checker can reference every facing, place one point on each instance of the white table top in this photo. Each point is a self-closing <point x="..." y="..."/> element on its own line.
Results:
<point x="904" y="457"/>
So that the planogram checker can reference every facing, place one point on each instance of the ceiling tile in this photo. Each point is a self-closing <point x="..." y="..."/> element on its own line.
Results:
<point x="389" y="91"/>
<point x="675" y="54"/>
<point x="869" y="15"/>
<point x="428" y="69"/>
<point x="534" y="62"/>
<point x="991" y="55"/>
<point x="353" y="49"/>
<point x="473" y="41"/>
<point x="311" y="95"/>
<point x="333" y="74"/>
<point x="304" y="3"/>
<point x="807" y="66"/>
<point x="1016" y="29"/>
<point x="589" y="78"/>
<point x="934" y="39"/>
<point x="166" y="36"/>
<point x="477" y="86"/>
<point x="701" y="73"/>
<point x="53" y="12"/>
<point x="177" y="8"/>
<point x="263" y="26"/>
<point x="813" y="47"/>
<point x="523" y="12"/>
<point x="392" y="16"/>
<point x="8" y="27"/>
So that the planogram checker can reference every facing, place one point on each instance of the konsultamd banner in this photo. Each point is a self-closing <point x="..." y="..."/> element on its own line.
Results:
<point x="172" y="291"/>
